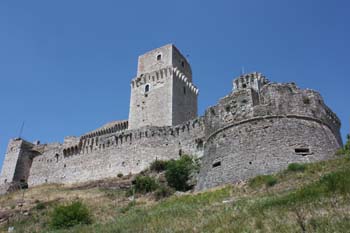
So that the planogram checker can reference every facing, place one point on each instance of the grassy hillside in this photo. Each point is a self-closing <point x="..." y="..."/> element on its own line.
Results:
<point x="310" y="198"/>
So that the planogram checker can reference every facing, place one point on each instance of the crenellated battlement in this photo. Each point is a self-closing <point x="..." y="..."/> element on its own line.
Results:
<point x="108" y="129"/>
<point x="178" y="74"/>
<point x="151" y="77"/>
<point x="161" y="74"/>
<point x="92" y="142"/>
<point x="130" y="137"/>
<point x="253" y="80"/>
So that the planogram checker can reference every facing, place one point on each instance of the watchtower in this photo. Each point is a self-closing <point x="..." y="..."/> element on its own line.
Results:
<point x="162" y="94"/>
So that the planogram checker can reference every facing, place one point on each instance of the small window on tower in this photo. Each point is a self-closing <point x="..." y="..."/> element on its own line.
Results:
<point x="159" y="57"/>
<point x="147" y="88"/>
<point x="184" y="90"/>
<point x="183" y="64"/>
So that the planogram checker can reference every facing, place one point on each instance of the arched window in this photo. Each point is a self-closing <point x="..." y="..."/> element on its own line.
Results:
<point x="159" y="57"/>
<point x="147" y="88"/>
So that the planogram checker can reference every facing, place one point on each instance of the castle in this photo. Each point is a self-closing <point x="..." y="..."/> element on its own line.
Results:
<point x="258" y="128"/>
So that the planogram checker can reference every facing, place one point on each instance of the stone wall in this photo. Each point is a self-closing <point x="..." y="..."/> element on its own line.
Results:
<point x="17" y="161"/>
<point x="125" y="152"/>
<point x="184" y="99"/>
<point x="267" y="131"/>
<point x="151" y="107"/>
<point x="10" y="162"/>
<point x="167" y="89"/>
<point x="263" y="146"/>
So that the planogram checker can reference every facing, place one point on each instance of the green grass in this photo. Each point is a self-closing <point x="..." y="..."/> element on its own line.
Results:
<point x="267" y="180"/>
<point x="296" y="167"/>
<point x="316" y="199"/>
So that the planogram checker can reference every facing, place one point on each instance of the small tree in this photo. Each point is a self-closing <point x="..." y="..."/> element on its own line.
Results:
<point x="179" y="172"/>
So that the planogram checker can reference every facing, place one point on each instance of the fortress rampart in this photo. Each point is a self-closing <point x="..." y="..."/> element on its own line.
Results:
<point x="258" y="128"/>
<point x="269" y="130"/>
<point x="107" y="155"/>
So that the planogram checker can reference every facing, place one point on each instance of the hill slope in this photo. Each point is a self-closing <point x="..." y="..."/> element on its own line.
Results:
<point x="310" y="198"/>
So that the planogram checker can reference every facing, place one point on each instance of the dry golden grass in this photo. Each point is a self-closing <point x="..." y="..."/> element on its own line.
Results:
<point x="236" y="208"/>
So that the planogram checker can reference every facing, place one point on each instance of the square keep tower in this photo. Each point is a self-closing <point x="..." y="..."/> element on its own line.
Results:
<point x="162" y="94"/>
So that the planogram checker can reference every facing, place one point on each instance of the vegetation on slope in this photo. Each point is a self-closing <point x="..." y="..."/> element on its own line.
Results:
<point x="346" y="149"/>
<point x="303" y="198"/>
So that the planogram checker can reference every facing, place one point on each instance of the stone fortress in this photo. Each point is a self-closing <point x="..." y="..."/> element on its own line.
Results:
<point x="258" y="128"/>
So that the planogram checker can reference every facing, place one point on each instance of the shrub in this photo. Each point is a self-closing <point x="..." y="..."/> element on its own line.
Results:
<point x="163" y="191"/>
<point x="267" y="180"/>
<point x="179" y="172"/>
<point x="40" y="206"/>
<point x="270" y="181"/>
<point x="296" y="167"/>
<point x="66" y="216"/>
<point x="120" y="175"/>
<point x="158" y="165"/>
<point x="145" y="184"/>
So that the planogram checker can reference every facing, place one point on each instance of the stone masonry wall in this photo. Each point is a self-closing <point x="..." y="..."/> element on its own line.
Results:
<point x="17" y="161"/>
<point x="250" y="133"/>
<point x="184" y="98"/>
<point x="263" y="146"/>
<point x="17" y="164"/>
<point x="167" y="89"/>
<point x="125" y="152"/>
<point x="152" y="107"/>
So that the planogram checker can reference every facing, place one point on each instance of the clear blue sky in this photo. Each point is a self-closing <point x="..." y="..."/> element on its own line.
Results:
<point x="66" y="66"/>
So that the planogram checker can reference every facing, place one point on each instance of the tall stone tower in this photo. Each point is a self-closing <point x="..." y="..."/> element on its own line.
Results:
<point x="162" y="94"/>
